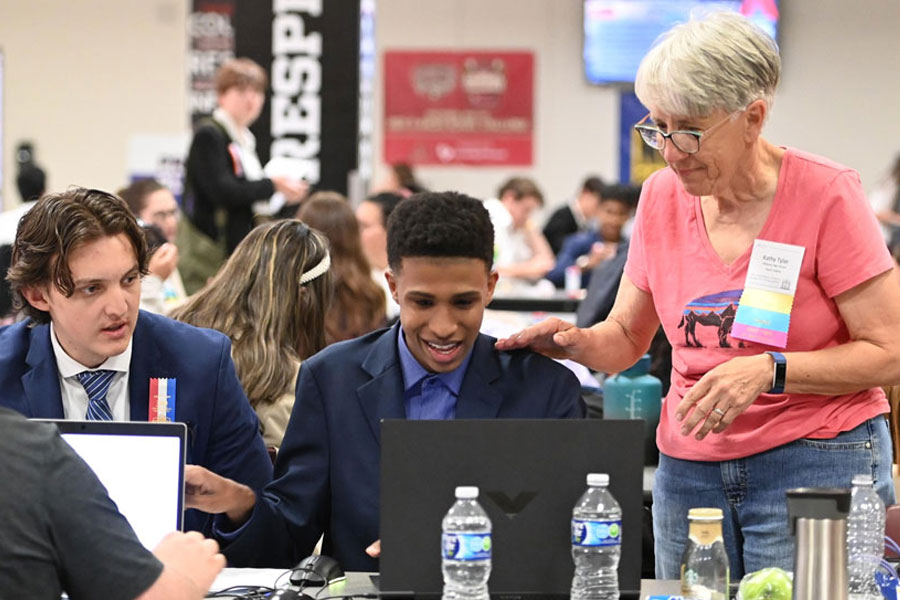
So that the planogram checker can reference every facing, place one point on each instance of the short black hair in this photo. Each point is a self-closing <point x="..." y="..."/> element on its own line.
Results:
<point x="593" y="185"/>
<point x="440" y="225"/>
<point x="627" y="194"/>
<point x="387" y="202"/>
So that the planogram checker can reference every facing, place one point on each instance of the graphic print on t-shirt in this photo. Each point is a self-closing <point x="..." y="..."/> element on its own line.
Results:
<point x="714" y="311"/>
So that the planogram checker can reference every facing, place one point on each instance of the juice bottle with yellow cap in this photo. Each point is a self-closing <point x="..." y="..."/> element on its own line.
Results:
<point x="704" y="564"/>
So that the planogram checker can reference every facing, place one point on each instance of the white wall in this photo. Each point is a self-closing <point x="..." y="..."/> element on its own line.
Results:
<point x="83" y="77"/>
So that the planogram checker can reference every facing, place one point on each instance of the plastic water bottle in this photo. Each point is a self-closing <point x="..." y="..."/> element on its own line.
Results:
<point x="865" y="538"/>
<point x="636" y="394"/>
<point x="596" y="542"/>
<point x="466" y="544"/>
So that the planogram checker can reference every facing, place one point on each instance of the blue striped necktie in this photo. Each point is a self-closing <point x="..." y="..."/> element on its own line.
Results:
<point x="96" y="384"/>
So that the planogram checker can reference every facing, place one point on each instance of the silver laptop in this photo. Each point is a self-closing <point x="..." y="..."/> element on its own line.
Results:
<point x="142" y="467"/>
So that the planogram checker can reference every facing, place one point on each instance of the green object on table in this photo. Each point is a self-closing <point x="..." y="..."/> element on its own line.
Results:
<point x="766" y="584"/>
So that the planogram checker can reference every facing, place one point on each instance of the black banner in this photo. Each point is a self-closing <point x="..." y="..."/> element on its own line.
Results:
<point x="210" y="43"/>
<point x="310" y="48"/>
<point x="311" y="51"/>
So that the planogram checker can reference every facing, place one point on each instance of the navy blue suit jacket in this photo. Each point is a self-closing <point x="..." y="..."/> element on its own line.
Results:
<point x="223" y="431"/>
<point x="327" y="472"/>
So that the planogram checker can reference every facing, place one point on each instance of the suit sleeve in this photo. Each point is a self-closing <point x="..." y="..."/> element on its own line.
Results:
<point x="213" y="174"/>
<point x="293" y="510"/>
<point x="565" y="400"/>
<point x="236" y="449"/>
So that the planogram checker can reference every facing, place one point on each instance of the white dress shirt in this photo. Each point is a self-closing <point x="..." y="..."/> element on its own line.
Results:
<point x="75" y="399"/>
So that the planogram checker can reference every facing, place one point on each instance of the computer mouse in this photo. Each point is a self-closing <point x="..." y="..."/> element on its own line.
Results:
<point x="316" y="570"/>
<point x="286" y="594"/>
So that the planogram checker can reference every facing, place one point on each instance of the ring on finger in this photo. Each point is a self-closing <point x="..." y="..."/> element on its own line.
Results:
<point x="719" y="411"/>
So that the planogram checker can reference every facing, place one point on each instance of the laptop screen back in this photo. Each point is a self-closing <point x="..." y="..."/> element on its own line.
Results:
<point x="142" y="467"/>
<point x="530" y="474"/>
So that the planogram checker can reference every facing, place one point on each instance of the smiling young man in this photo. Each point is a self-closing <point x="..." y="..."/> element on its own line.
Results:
<point x="433" y="364"/>
<point x="87" y="352"/>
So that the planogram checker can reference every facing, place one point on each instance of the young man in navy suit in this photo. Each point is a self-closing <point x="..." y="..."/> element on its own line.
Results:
<point x="87" y="352"/>
<point x="433" y="364"/>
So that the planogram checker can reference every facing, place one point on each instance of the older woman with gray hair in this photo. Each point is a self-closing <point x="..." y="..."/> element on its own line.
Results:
<point x="765" y="267"/>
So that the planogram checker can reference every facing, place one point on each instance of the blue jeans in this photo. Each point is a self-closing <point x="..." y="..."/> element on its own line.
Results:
<point x="751" y="493"/>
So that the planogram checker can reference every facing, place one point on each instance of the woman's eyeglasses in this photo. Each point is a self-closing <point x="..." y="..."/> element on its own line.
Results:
<point x="685" y="141"/>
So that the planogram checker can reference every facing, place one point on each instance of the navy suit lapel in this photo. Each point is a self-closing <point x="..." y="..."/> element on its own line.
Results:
<point x="146" y="361"/>
<point x="478" y="399"/>
<point x="41" y="382"/>
<point x="382" y="396"/>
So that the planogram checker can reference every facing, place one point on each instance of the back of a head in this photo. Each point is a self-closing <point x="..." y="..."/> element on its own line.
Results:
<point x="520" y="187"/>
<point x="270" y="298"/>
<point x="30" y="181"/>
<point x="330" y="213"/>
<point x="359" y="302"/>
<point x="387" y="202"/>
<point x="56" y="226"/>
<point x="440" y="225"/>
<point x="720" y="61"/>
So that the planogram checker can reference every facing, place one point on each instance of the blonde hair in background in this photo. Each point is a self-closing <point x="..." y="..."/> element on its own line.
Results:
<point x="257" y="300"/>
<point x="718" y="61"/>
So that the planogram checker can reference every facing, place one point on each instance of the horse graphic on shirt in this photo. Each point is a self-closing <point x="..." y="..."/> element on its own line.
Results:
<point x="714" y="310"/>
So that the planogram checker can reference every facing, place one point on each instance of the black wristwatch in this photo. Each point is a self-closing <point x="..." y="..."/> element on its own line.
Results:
<point x="779" y="374"/>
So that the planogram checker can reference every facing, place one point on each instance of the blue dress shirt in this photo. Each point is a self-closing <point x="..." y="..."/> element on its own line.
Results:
<point x="429" y="395"/>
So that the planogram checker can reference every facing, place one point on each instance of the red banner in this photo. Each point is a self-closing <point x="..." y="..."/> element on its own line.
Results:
<point x="451" y="108"/>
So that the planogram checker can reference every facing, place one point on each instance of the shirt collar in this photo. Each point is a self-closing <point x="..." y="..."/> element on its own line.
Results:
<point x="580" y="219"/>
<point x="413" y="372"/>
<point x="242" y="135"/>
<point x="69" y="367"/>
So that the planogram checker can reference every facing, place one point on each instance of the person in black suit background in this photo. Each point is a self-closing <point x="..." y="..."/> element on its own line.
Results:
<point x="223" y="176"/>
<point x="577" y="214"/>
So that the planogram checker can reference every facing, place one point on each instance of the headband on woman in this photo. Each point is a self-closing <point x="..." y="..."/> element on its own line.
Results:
<point x="316" y="271"/>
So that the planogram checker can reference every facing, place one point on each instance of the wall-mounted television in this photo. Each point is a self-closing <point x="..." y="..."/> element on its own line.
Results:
<point x="618" y="33"/>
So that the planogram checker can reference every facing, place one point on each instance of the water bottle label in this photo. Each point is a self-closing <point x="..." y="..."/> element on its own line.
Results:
<point x="596" y="533"/>
<point x="467" y="546"/>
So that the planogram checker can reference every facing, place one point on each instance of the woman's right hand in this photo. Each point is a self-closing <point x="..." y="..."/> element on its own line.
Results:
<point x="553" y="337"/>
<point x="294" y="190"/>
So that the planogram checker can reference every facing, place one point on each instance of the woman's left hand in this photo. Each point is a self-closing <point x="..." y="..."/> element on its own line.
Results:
<point x="723" y="393"/>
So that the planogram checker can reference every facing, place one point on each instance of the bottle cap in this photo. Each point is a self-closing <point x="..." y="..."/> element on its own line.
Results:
<point x="705" y="514"/>
<point x="641" y="367"/>
<point x="467" y="492"/>
<point x="862" y="480"/>
<point x="595" y="479"/>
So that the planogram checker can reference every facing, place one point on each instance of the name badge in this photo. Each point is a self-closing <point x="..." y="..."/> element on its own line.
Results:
<point x="764" y="313"/>
<point x="162" y="400"/>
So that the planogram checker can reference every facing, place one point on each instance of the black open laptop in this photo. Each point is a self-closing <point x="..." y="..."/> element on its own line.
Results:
<point x="530" y="474"/>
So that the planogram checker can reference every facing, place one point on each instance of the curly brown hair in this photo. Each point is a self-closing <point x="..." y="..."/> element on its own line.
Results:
<point x="56" y="226"/>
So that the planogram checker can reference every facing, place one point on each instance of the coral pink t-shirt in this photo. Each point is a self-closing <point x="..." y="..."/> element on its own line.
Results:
<point x="819" y="205"/>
